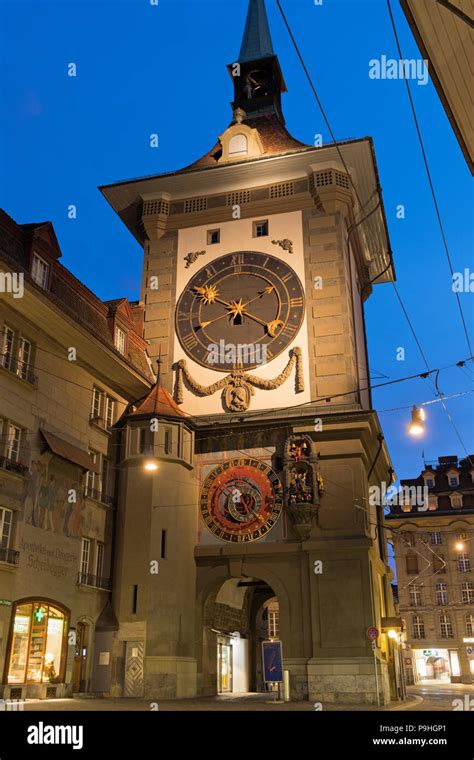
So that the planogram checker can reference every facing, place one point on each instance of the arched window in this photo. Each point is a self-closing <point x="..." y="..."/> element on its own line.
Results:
<point x="38" y="642"/>
<point x="238" y="145"/>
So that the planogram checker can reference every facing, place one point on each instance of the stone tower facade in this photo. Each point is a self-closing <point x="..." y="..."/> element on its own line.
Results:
<point x="257" y="261"/>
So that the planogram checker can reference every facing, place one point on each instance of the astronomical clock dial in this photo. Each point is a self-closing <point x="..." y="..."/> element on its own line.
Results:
<point x="241" y="500"/>
<point x="247" y="300"/>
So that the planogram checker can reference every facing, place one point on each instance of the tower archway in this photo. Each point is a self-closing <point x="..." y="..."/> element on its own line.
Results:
<point x="232" y="622"/>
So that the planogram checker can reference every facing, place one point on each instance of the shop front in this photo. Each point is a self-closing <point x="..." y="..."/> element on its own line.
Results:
<point x="436" y="666"/>
<point x="35" y="666"/>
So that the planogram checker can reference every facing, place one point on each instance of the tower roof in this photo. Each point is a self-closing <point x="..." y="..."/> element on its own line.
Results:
<point x="158" y="402"/>
<point x="257" y="40"/>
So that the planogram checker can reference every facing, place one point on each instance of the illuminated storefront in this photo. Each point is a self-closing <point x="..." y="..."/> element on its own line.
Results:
<point x="441" y="665"/>
<point x="38" y="643"/>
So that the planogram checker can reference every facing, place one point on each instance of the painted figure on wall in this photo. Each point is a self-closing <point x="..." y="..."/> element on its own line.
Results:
<point x="52" y="502"/>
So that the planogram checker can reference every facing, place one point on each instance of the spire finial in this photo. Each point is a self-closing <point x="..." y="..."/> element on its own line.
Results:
<point x="257" y="40"/>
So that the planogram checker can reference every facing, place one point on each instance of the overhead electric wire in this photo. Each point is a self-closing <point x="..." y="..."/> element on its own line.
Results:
<point x="256" y="412"/>
<point x="405" y="312"/>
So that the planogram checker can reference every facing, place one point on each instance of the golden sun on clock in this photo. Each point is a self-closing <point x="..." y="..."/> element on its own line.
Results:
<point x="246" y="299"/>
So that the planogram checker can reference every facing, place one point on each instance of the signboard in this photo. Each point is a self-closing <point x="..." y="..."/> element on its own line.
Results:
<point x="468" y="639"/>
<point x="372" y="633"/>
<point x="272" y="658"/>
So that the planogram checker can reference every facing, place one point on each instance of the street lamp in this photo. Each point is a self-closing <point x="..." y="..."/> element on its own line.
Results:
<point x="151" y="465"/>
<point x="392" y="634"/>
<point x="416" y="426"/>
<point x="460" y="546"/>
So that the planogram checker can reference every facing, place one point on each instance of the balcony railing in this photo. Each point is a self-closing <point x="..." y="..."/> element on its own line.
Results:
<point x="96" y="581"/>
<point x="13" y="466"/>
<point x="10" y="556"/>
<point x="16" y="367"/>
<point x="93" y="493"/>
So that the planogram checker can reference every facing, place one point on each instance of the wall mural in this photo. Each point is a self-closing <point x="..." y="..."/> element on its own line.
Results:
<point x="53" y="499"/>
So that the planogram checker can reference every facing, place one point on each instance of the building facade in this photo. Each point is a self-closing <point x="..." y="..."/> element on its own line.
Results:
<point x="65" y="377"/>
<point x="240" y="507"/>
<point x="256" y="269"/>
<point x="432" y="538"/>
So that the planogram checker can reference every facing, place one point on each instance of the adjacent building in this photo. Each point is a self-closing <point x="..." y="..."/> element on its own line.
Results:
<point x="69" y="364"/>
<point x="432" y="539"/>
<point x="443" y="33"/>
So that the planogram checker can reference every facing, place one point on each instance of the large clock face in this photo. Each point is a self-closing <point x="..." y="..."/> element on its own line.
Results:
<point x="241" y="500"/>
<point x="240" y="311"/>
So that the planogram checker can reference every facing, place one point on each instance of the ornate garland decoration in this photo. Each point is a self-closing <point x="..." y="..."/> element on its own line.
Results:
<point x="238" y="387"/>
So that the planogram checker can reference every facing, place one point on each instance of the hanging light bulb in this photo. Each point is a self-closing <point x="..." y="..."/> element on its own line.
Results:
<point x="416" y="426"/>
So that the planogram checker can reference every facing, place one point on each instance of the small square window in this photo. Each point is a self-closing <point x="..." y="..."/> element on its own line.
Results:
<point x="453" y="482"/>
<point x="213" y="237"/>
<point x="260" y="229"/>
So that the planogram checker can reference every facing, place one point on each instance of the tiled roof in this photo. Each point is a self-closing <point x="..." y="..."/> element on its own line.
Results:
<point x="276" y="141"/>
<point x="69" y="294"/>
<point x="158" y="402"/>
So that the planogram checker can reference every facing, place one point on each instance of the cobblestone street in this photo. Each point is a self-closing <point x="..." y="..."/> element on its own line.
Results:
<point x="424" y="698"/>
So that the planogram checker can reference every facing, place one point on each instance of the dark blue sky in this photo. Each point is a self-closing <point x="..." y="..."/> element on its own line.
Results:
<point x="143" y="69"/>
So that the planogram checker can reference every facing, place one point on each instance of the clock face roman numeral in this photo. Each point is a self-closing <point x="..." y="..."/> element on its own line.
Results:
<point x="210" y="271"/>
<point x="296" y="303"/>
<point x="288" y="331"/>
<point x="287" y="277"/>
<point x="189" y="341"/>
<point x="238" y="260"/>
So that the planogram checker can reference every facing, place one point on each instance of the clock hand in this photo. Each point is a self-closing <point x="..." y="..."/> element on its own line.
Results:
<point x="270" y="289"/>
<point x="272" y="328"/>
<point x="206" y="324"/>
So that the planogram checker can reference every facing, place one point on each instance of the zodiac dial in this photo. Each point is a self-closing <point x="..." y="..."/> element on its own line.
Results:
<point x="241" y="500"/>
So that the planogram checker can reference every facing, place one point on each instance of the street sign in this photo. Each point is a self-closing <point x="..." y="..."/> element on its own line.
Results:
<point x="374" y="646"/>
<point x="272" y="661"/>
<point x="372" y="633"/>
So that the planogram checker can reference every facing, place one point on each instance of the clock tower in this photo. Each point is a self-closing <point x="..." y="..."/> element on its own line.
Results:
<point x="258" y="259"/>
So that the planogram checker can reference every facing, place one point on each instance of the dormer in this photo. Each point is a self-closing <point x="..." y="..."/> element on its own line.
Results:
<point x="453" y="477"/>
<point x="428" y="476"/>
<point x="240" y="141"/>
<point x="121" y="323"/>
<point x="42" y="247"/>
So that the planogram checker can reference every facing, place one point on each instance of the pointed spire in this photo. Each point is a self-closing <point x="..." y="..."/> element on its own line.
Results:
<point x="257" y="41"/>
